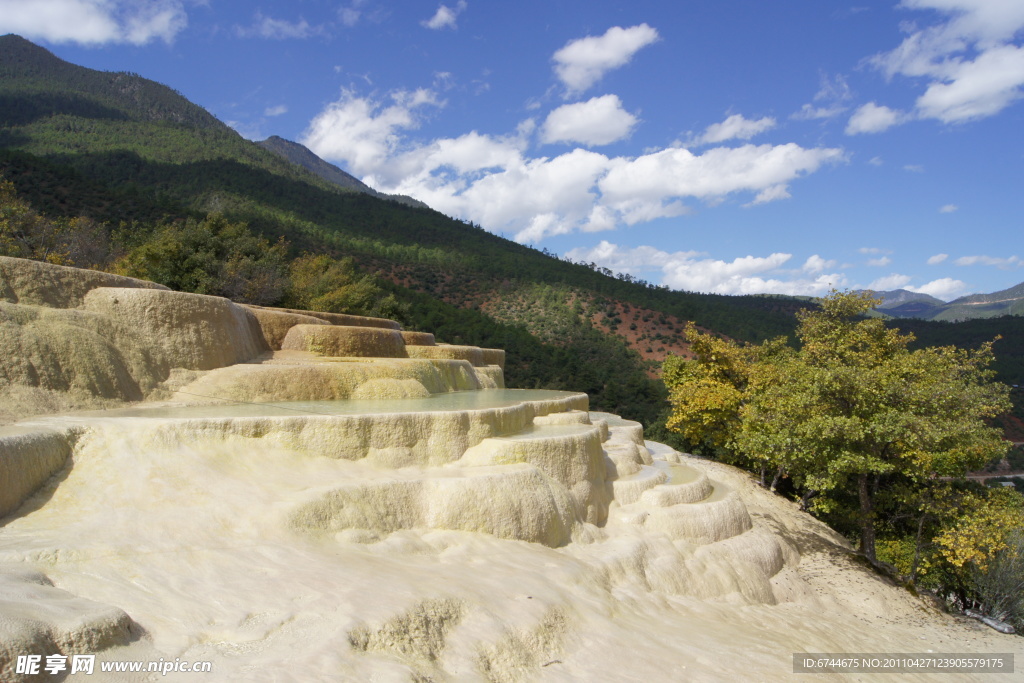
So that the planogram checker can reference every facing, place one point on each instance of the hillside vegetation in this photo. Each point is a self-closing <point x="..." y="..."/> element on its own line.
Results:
<point x="136" y="161"/>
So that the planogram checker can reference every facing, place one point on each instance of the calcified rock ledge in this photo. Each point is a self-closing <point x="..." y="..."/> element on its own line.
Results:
<point x="300" y="496"/>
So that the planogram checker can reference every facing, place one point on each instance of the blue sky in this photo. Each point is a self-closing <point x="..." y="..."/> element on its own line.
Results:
<point x="739" y="146"/>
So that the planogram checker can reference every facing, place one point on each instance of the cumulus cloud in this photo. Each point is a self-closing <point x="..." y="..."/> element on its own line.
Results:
<point x="687" y="270"/>
<point x="94" y="22"/>
<point x="598" y="121"/>
<point x="973" y="66"/>
<point x="735" y="127"/>
<point x="948" y="208"/>
<point x="937" y="259"/>
<point x="492" y="181"/>
<point x="817" y="264"/>
<point x="445" y="16"/>
<point x="997" y="261"/>
<point x="893" y="281"/>
<point x="873" y="118"/>
<point x="945" y="288"/>
<point x="879" y="262"/>
<point x="678" y="172"/>
<point x="583" y="62"/>
<point x="363" y="132"/>
<point x="629" y="259"/>
<point x="276" y="111"/>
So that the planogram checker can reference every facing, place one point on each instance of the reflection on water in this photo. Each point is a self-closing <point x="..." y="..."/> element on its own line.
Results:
<point x="457" y="400"/>
<point x="681" y="474"/>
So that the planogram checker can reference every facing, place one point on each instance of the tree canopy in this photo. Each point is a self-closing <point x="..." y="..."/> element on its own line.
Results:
<point x="851" y="415"/>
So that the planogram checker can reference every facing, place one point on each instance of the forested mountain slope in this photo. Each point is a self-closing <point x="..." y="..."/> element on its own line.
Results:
<point x="131" y="153"/>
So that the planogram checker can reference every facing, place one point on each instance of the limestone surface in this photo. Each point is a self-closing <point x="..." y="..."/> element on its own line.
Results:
<point x="345" y="340"/>
<point x="365" y="504"/>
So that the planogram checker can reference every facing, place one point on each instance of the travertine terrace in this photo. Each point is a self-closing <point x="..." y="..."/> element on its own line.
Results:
<point x="303" y="496"/>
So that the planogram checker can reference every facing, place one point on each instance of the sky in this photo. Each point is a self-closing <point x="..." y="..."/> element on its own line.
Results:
<point x="735" y="147"/>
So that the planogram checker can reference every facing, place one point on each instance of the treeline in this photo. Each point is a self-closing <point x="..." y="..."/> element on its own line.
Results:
<point x="218" y="256"/>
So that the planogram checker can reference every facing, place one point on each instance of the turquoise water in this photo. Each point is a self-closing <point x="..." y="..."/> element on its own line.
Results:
<point x="454" y="401"/>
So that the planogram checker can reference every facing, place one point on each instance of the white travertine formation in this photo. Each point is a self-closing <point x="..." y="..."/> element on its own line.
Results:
<point x="275" y="323"/>
<point x="341" y="318"/>
<point x="191" y="331"/>
<point x="473" y="354"/>
<point x="33" y="283"/>
<point x="28" y="457"/>
<point x="347" y="516"/>
<point x="343" y="340"/>
<point x="418" y="338"/>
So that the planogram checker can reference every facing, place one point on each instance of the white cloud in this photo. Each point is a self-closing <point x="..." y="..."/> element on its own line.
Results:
<point x="997" y="261"/>
<point x="944" y="288"/>
<point x="94" y="22"/>
<point x="873" y="250"/>
<point x="948" y="208"/>
<point x="976" y="89"/>
<point x="914" y="168"/>
<point x="351" y="13"/>
<point x="831" y="98"/>
<point x="583" y="62"/>
<point x="598" y="121"/>
<point x="809" y="112"/>
<point x="817" y="264"/>
<point x="278" y="29"/>
<point x="894" y="281"/>
<point x="873" y="118"/>
<point x="445" y="16"/>
<point x="734" y="127"/>
<point x="879" y="262"/>
<point x="490" y="180"/>
<point x="687" y="271"/>
<point x="677" y="172"/>
<point x="973" y="66"/>
<point x="276" y="111"/>
<point x="770" y="194"/>
<point x="629" y="260"/>
<point x="876" y="161"/>
<point x="361" y="131"/>
<point x="937" y="259"/>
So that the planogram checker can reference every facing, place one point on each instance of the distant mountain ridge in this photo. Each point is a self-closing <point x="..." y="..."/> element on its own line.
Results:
<point x="303" y="156"/>
<point x="901" y="303"/>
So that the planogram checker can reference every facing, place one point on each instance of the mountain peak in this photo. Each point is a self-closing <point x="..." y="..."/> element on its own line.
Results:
<point x="25" y="66"/>
<point x="302" y="156"/>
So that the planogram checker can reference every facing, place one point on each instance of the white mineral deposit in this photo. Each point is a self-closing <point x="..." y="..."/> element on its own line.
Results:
<point x="294" y="497"/>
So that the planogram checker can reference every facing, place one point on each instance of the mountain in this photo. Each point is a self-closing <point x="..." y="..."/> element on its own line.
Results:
<point x="128" y="151"/>
<point x="302" y="156"/>
<point x="900" y="303"/>
<point x="897" y="297"/>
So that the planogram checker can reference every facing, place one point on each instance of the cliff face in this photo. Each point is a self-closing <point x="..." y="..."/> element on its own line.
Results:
<point x="323" y="497"/>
